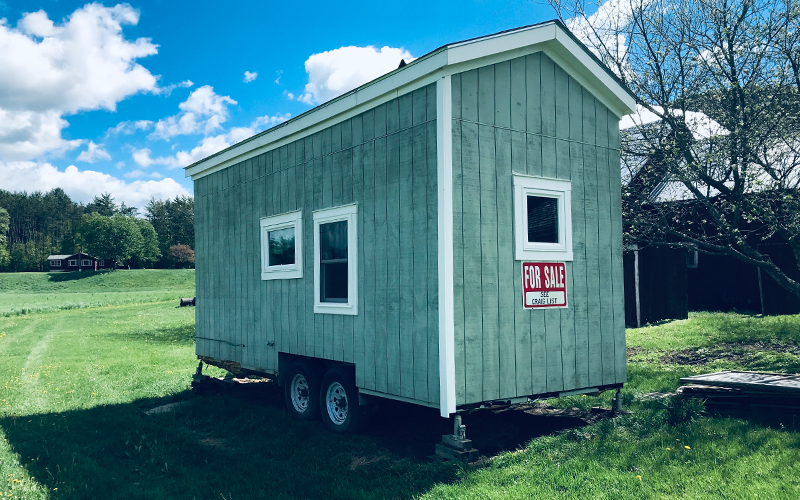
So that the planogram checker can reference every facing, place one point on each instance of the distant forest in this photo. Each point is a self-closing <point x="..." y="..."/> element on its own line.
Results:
<point x="41" y="224"/>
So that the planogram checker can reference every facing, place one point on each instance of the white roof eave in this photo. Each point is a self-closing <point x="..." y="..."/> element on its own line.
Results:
<point x="549" y="38"/>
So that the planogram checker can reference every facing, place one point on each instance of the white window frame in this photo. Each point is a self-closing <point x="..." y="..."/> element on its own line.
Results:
<point x="72" y="262"/>
<point x="528" y="185"/>
<point x="55" y="263"/>
<point x="101" y="263"/>
<point x="347" y="213"/>
<point x="84" y="263"/>
<point x="276" y="223"/>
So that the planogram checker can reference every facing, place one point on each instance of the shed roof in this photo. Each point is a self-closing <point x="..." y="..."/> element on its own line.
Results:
<point x="551" y="38"/>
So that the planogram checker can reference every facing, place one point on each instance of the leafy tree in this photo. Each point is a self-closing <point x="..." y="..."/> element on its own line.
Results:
<point x="173" y="220"/>
<point x="182" y="255"/>
<point x="4" y="222"/>
<point x="117" y="238"/>
<point x="714" y="162"/>
<point x="149" y="251"/>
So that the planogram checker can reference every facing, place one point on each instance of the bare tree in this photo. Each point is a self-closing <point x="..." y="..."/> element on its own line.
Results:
<point x="713" y="159"/>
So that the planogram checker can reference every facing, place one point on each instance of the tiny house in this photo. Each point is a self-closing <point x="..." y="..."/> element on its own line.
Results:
<point x="448" y="234"/>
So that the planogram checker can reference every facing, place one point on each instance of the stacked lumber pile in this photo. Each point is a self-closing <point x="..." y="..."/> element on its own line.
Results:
<point x="748" y="389"/>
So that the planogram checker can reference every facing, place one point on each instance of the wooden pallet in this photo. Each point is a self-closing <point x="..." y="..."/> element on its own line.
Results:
<point x="742" y="388"/>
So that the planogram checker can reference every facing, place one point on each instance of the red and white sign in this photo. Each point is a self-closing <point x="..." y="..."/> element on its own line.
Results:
<point x="544" y="284"/>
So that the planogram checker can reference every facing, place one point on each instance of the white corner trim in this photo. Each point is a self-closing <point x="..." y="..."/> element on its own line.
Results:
<point x="347" y="213"/>
<point x="525" y="185"/>
<point x="274" y="223"/>
<point x="444" y="177"/>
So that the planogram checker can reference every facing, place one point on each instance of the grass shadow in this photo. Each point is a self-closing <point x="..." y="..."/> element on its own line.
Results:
<point x="180" y="334"/>
<point x="68" y="276"/>
<point x="239" y="444"/>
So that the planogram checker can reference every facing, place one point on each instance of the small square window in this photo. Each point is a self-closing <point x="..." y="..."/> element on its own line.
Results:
<point x="282" y="246"/>
<point x="543" y="218"/>
<point x="335" y="261"/>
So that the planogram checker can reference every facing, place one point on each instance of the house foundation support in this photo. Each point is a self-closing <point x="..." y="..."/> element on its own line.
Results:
<point x="456" y="446"/>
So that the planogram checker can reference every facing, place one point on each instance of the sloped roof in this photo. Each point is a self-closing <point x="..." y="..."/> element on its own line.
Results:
<point x="551" y="37"/>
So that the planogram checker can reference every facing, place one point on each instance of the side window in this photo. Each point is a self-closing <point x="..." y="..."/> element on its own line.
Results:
<point x="542" y="218"/>
<point x="335" y="260"/>
<point x="86" y="262"/>
<point x="72" y="262"/>
<point x="282" y="246"/>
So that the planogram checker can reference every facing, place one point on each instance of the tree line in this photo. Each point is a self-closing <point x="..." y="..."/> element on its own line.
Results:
<point x="36" y="225"/>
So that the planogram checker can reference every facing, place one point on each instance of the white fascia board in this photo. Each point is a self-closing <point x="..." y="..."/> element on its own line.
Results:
<point x="592" y="75"/>
<point x="499" y="44"/>
<point x="414" y="76"/>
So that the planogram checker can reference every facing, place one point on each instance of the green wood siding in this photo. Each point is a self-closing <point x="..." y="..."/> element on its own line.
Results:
<point x="385" y="161"/>
<point x="529" y="116"/>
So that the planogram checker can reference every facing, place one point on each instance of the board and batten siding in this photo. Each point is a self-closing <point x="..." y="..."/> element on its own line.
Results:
<point x="528" y="116"/>
<point x="385" y="161"/>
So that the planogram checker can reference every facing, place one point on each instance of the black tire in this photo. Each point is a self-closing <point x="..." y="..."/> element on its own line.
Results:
<point x="301" y="391"/>
<point x="342" y="414"/>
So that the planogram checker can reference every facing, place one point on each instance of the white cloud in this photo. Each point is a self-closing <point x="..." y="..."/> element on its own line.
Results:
<point x="84" y="185"/>
<point x="209" y="145"/>
<point x="134" y="174"/>
<point x="51" y="70"/>
<point x="169" y="88"/>
<point x="93" y="153"/>
<point x="332" y="73"/>
<point x="129" y="127"/>
<point x="120" y="164"/>
<point x="204" y="111"/>
<point x="249" y="77"/>
<point x="290" y="95"/>
<point x="278" y="75"/>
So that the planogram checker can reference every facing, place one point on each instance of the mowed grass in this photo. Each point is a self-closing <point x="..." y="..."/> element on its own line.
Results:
<point x="75" y="385"/>
<point x="27" y="293"/>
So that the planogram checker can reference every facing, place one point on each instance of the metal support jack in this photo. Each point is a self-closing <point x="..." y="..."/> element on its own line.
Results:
<point x="198" y="378"/>
<point x="616" y="403"/>
<point x="456" y="446"/>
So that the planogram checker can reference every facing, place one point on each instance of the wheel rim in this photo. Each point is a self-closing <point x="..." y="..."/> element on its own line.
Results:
<point x="336" y="403"/>
<point x="300" y="393"/>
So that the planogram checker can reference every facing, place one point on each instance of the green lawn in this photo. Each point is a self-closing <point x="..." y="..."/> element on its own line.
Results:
<point x="75" y="383"/>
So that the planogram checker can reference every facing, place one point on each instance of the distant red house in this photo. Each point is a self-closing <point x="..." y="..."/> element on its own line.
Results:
<point x="77" y="262"/>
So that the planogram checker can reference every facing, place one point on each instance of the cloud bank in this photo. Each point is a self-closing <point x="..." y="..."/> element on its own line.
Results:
<point x="83" y="185"/>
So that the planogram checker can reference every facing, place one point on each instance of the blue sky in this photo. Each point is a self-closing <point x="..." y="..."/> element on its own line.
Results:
<point x="117" y="97"/>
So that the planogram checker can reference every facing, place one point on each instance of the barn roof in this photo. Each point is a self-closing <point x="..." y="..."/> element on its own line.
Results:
<point x="551" y="37"/>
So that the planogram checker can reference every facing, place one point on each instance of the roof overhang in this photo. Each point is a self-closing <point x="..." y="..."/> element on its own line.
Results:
<point x="550" y="38"/>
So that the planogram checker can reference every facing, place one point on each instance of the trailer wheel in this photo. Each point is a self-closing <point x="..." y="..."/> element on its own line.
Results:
<point x="339" y="402"/>
<point x="301" y="390"/>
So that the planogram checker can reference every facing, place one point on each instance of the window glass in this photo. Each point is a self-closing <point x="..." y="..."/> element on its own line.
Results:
<point x="542" y="219"/>
<point x="281" y="247"/>
<point x="333" y="261"/>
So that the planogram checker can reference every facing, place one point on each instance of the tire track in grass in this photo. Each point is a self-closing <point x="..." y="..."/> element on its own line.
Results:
<point x="34" y="399"/>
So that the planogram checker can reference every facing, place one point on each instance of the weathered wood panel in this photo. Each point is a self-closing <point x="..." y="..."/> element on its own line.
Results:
<point x="528" y="116"/>
<point x="383" y="160"/>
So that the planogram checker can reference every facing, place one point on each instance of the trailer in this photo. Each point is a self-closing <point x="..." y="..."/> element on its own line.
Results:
<point x="448" y="235"/>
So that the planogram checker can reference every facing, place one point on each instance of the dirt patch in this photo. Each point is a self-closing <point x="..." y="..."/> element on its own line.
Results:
<point x="634" y="351"/>
<point x="359" y="462"/>
<point x="738" y="352"/>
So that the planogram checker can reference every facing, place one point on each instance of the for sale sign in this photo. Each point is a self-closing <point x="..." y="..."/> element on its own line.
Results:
<point x="544" y="284"/>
